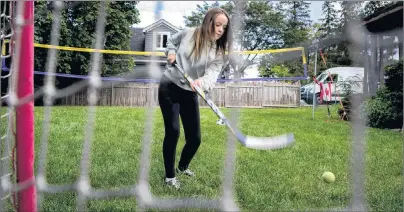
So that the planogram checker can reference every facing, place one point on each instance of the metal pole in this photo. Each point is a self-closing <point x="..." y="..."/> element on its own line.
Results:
<point x="25" y="113"/>
<point x="314" y="83"/>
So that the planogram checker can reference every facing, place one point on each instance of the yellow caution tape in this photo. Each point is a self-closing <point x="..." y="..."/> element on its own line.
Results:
<point x="106" y="51"/>
<point x="68" y="48"/>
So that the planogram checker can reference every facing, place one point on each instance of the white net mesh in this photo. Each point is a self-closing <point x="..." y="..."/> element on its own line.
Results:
<point x="145" y="198"/>
<point x="7" y="146"/>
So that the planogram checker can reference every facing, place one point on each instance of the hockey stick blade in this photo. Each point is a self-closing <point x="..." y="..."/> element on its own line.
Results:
<point x="262" y="143"/>
<point x="265" y="143"/>
<point x="254" y="142"/>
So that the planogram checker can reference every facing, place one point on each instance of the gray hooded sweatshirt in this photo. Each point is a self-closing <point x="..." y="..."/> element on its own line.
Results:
<point x="206" y="69"/>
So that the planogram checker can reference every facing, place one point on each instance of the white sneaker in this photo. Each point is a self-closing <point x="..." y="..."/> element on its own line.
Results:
<point x="186" y="172"/>
<point x="220" y="122"/>
<point x="172" y="182"/>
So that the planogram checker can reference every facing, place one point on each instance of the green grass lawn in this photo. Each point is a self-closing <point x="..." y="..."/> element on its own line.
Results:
<point x="287" y="179"/>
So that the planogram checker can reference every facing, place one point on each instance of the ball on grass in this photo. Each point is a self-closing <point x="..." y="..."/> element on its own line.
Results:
<point x="328" y="177"/>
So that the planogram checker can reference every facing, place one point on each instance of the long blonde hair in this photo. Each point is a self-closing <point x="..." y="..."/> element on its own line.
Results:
<point x="203" y="34"/>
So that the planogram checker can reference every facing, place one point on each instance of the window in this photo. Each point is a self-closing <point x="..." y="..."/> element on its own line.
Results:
<point x="321" y="77"/>
<point x="334" y="78"/>
<point x="324" y="78"/>
<point x="161" y="40"/>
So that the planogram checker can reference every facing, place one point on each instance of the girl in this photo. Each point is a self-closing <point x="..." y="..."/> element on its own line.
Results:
<point x="200" y="52"/>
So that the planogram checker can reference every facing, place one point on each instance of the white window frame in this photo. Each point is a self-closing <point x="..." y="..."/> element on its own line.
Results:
<point x="159" y="46"/>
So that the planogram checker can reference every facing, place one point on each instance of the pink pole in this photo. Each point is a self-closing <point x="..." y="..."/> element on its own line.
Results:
<point x="25" y="114"/>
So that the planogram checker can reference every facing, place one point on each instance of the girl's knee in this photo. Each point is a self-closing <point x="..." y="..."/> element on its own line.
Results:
<point x="173" y="133"/>
<point x="197" y="140"/>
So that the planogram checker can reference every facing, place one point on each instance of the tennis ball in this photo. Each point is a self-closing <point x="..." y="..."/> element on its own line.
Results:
<point x="328" y="177"/>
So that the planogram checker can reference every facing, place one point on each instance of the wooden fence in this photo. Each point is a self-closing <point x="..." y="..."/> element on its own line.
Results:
<point x="247" y="95"/>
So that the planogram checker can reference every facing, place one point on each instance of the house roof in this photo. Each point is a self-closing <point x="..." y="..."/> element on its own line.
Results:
<point x="385" y="19"/>
<point x="138" y="39"/>
<point x="160" y="22"/>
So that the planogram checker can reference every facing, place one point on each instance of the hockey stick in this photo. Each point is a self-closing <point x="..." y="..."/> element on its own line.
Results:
<point x="264" y="143"/>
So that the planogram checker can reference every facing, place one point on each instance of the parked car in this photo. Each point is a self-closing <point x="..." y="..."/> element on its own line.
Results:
<point x="341" y="76"/>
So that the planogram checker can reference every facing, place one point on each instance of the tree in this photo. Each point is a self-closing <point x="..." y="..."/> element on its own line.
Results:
<point x="260" y="27"/>
<point x="329" y="21"/>
<point x="276" y="71"/>
<point x="349" y="13"/>
<point x="314" y="35"/>
<point x="371" y="6"/>
<point x="196" y="17"/>
<point x="294" y="30"/>
<point x="328" y="27"/>
<point x="78" y="30"/>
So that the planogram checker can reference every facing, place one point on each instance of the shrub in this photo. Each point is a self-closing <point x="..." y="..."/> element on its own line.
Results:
<point x="385" y="110"/>
<point x="394" y="74"/>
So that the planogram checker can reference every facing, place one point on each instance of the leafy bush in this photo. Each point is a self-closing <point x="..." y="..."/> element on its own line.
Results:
<point x="394" y="74"/>
<point x="385" y="110"/>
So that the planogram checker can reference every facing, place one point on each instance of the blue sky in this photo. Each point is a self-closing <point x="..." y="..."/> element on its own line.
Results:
<point x="175" y="10"/>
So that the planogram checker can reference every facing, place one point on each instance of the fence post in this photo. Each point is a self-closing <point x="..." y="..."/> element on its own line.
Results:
<point x="262" y="95"/>
<point x="112" y="94"/>
<point x="226" y="92"/>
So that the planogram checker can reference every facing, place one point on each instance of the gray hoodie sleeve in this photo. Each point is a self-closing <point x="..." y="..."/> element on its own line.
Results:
<point x="212" y="73"/>
<point x="173" y="41"/>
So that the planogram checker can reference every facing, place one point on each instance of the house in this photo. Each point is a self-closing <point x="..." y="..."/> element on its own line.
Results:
<point x="142" y="40"/>
<point x="159" y="31"/>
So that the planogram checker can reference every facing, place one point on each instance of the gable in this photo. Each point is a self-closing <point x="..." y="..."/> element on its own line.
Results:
<point x="160" y="34"/>
<point x="161" y="28"/>
<point x="157" y="34"/>
<point x="161" y="24"/>
<point x="142" y="38"/>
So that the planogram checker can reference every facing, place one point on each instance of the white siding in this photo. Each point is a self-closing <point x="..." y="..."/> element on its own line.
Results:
<point x="149" y="36"/>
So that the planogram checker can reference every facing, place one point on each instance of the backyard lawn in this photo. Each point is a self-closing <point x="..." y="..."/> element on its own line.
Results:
<point x="287" y="179"/>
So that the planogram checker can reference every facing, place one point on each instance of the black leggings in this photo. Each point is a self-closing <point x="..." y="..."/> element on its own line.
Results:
<point x="176" y="102"/>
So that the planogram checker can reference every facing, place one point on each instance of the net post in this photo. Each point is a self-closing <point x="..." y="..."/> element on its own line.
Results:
<point x="25" y="113"/>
